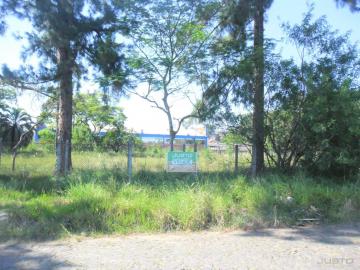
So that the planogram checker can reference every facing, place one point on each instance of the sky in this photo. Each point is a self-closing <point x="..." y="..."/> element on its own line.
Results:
<point x="140" y="115"/>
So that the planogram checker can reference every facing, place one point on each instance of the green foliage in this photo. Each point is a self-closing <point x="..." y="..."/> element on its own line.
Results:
<point x="241" y="132"/>
<point x="237" y="15"/>
<point x="102" y="201"/>
<point x="82" y="138"/>
<point x="6" y="94"/>
<point x="169" y="41"/>
<point x="332" y="131"/>
<point x="14" y="123"/>
<point x="46" y="140"/>
<point x="314" y="107"/>
<point x="285" y="141"/>
<point x="169" y="45"/>
<point x="153" y="151"/>
<point x="47" y="136"/>
<point x="98" y="124"/>
<point x="82" y="31"/>
<point x="91" y="110"/>
<point x="115" y="140"/>
<point x="312" y="103"/>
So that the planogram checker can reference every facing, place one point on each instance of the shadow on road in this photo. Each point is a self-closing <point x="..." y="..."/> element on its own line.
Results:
<point x="19" y="256"/>
<point x="326" y="234"/>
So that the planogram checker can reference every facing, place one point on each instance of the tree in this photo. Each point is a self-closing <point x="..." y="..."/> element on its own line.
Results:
<point x="95" y="123"/>
<point x="313" y="107"/>
<point x="285" y="143"/>
<point x="16" y="122"/>
<point x="117" y="138"/>
<point x="47" y="138"/>
<point x="242" y="77"/>
<point x="18" y="131"/>
<point x="67" y="34"/>
<point x="90" y="110"/>
<point x="168" y="42"/>
<point x="257" y="162"/>
<point x="93" y="120"/>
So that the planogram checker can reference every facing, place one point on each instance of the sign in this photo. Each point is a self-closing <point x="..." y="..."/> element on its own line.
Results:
<point x="182" y="162"/>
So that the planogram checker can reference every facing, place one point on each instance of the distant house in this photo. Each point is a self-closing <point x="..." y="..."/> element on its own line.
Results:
<point x="217" y="145"/>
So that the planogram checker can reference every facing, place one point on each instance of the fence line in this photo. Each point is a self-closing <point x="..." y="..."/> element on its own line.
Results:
<point x="130" y="158"/>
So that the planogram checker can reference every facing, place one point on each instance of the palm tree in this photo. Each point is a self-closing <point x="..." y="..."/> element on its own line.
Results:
<point x="16" y="122"/>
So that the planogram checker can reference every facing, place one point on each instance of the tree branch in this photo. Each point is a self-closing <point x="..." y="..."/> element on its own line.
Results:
<point x="147" y="98"/>
<point x="23" y="86"/>
<point x="23" y="136"/>
<point x="183" y="119"/>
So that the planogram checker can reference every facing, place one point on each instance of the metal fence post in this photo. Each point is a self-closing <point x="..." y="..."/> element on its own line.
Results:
<point x="195" y="146"/>
<point x="67" y="148"/>
<point x="1" y="146"/>
<point x="184" y="147"/>
<point x="236" y="158"/>
<point x="129" y="161"/>
<point x="58" y="159"/>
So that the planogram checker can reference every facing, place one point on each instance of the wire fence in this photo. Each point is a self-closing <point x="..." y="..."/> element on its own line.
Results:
<point x="40" y="158"/>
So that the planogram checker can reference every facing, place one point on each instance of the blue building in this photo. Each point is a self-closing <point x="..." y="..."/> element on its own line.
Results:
<point x="165" y="138"/>
<point x="36" y="137"/>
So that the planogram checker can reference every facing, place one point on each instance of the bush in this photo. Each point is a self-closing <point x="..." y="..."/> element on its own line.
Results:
<point x="332" y="132"/>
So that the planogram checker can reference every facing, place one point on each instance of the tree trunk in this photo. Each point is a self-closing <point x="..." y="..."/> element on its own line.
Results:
<point x="172" y="133"/>
<point x="172" y="138"/>
<point x="14" y="160"/>
<point x="13" y="134"/>
<point x="64" y="127"/>
<point x="257" y="163"/>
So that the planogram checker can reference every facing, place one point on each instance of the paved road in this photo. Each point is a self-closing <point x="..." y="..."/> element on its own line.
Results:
<point x="326" y="247"/>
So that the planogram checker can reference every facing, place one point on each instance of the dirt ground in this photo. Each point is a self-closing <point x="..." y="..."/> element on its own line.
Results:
<point x="320" y="247"/>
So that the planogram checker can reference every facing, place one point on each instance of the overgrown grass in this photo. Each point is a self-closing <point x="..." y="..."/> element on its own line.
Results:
<point x="41" y="163"/>
<point x="97" y="198"/>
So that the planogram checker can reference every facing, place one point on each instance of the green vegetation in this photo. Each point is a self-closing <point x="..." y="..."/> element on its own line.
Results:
<point x="169" y="42"/>
<point x="97" y="198"/>
<point x="14" y="123"/>
<point x="212" y="53"/>
<point x="312" y="112"/>
<point x="97" y="125"/>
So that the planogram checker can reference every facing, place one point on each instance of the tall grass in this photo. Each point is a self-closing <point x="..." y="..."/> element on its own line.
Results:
<point x="42" y="163"/>
<point x="97" y="198"/>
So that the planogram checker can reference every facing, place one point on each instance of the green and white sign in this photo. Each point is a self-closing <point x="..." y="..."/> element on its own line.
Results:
<point x="182" y="161"/>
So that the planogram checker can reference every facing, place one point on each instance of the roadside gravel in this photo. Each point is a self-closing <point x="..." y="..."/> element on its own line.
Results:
<point x="321" y="247"/>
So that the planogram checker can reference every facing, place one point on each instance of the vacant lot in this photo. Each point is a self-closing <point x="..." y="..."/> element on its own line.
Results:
<point x="97" y="197"/>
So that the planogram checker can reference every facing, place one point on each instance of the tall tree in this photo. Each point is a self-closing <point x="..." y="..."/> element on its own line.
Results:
<point x="167" y="44"/>
<point x="257" y="162"/>
<point x="66" y="35"/>
<point x="237" y="17"/>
